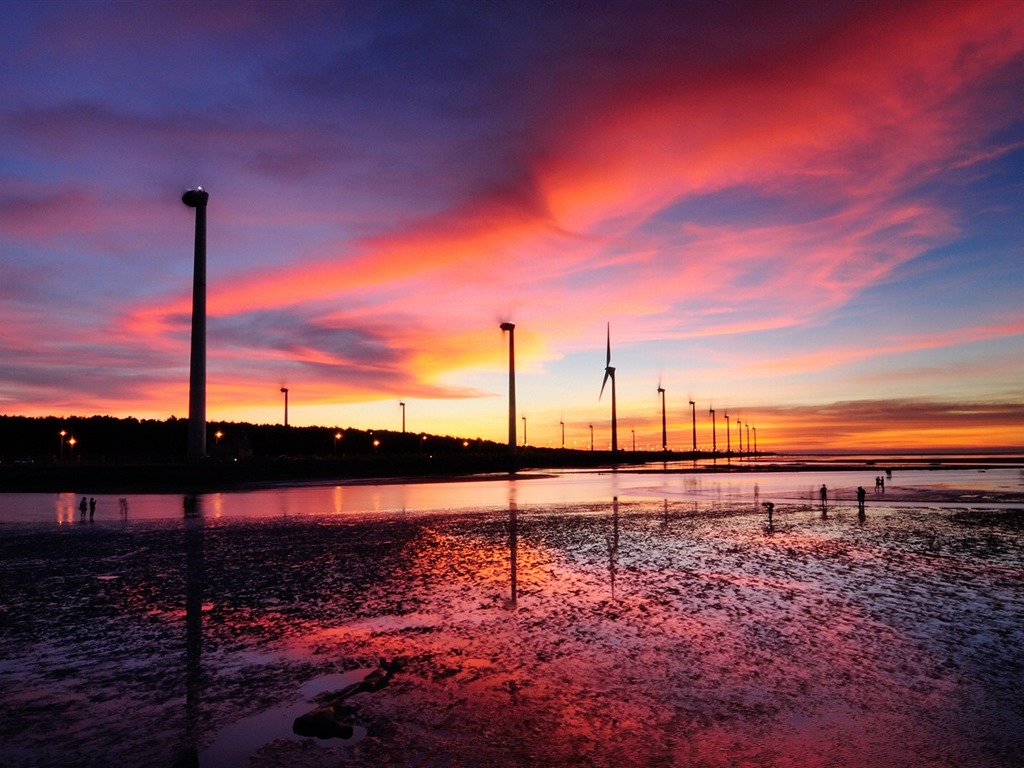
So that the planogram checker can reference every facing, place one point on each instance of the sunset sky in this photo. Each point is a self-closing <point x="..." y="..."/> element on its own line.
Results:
<point x="807" y="215"/>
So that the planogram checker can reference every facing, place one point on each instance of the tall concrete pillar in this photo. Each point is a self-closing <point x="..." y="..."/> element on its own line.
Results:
<point x="197" y="198"/>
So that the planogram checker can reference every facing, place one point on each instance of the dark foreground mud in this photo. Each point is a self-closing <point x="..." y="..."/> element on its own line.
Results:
<point x="610" y="635"/>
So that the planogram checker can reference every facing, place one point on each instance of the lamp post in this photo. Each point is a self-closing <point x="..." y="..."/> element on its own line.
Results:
<point x="71" y="446"/>
<point x="403" y="416"/>
<point x="714" y="439"/>
<point x="633" y="431"/>
<point x="748" y="440"/>
<point x="510" y="327"/>
<point x="755" y="441"/>
<point x="197" y="198"/>
<point x="591" y="437"/>
<point x="285" y="390"/>
<point x="524" y="431"/>
<point x="63" y="433"/>
<point x="337" y="437"/>
<point x="739" y="430"/>
<point x="664" y="427"/>
<point x="693" y="412"/>
<point x="728" y="437"/>
<point x="562" y="423"/>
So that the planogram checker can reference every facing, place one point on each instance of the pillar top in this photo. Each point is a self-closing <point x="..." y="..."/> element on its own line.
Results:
<point x="195" y="198"/>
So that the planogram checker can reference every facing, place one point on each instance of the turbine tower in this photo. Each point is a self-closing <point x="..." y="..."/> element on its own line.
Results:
<point x="510" y="327"/>
<point x="197" y="198"/>
<point x="609" y="373"/>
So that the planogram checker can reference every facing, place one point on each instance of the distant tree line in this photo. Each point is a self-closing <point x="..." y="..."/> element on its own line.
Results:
<point x="106" y="439"/>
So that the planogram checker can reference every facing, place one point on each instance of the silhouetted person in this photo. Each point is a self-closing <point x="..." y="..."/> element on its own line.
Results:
<point x="123" y="502"/>
<point x="757" y="494"/>
<point x="92" y="508"/>
<point x="82" y="506"/>
<point x="860" y="500"/>
<point x="824" y="499"/>
<point x="771" y="508"/>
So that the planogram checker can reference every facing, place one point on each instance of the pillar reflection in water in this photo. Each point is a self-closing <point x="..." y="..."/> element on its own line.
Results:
<point x="194" y="577"/>
<point x="513" y="538"/>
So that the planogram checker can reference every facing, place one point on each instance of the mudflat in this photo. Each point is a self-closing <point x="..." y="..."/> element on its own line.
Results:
<point x="647" y="634"/>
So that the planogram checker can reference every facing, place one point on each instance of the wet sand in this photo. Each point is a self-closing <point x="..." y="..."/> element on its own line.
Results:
<point x="651" y="634"/>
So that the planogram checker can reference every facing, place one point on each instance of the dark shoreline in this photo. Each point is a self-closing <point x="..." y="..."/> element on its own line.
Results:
<point x="214" y="475"/>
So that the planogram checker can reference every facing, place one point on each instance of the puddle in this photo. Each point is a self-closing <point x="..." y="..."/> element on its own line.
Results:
<point x="236" y="743"/>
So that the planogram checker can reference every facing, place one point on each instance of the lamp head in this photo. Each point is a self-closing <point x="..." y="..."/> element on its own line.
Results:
<point x="508" y="326"/>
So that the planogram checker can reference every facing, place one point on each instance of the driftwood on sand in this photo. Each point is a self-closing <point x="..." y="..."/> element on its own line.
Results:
<point x="333" y="718"/>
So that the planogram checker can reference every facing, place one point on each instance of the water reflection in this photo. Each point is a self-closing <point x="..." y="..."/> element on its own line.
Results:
<point x="65" y="504"/>
<point x="194" y="578"/>
<point x="613" y="544"/>
<point x="513" y="539"/>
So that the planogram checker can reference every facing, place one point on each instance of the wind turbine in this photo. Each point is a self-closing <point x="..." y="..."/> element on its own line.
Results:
<point x="609" y="373"/>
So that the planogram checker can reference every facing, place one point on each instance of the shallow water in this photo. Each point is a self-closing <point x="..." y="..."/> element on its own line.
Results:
<point x="534" y="490"/>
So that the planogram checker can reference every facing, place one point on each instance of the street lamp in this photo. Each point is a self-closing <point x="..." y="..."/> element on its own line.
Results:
<point x="748" y="439"/>
<point x="563" y="434"/>
<point x="524" y="431"/>
<point x="728" y="437"/>
<point x="63" y="434"/>
<point x="337" y="437"/>
<point x="591" y="437"/>
<point x="633" y="431"/>
<point x="285" y="390"/>
<point x="755" y="441"/>
<point x="714" y="443"/>
<point x="71" y="445"/>
<point x="403" y="417"/>
<point x="693" y="412"/>
<point x="664" y="428"/>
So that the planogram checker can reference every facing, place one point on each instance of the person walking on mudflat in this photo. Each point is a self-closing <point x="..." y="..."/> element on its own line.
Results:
<point x="82" y="506"/>
<point x="860" y="500"/>
<point x="824" y="498"/>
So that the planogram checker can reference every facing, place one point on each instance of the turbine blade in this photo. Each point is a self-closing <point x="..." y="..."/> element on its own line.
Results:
<point x="607" y="375"/>
<point x="608" y="359"/>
